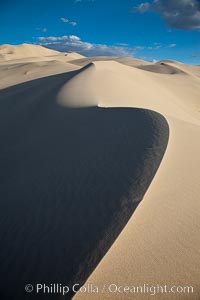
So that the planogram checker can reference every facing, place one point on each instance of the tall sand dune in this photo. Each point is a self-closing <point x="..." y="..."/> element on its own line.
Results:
<point x="160" y="245"/>
<point x="70" y="181"/>
<point x="80" y="149"/>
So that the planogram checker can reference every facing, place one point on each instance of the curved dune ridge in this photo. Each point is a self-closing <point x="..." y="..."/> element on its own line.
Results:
<point x="66" y="95"/>
<point x="160" y="244"/>
<point x="70" y="180"/>
<point x="108" y="83"/>
<point x="71" y="151"/>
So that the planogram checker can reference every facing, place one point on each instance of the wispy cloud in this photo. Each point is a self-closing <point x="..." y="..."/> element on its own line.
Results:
<point x="73" y="23"/>
<point x="171" y="46"/>
<point x="178" y="14"/>
<point x="65" y="20"/>
<point x="157" y="46"/>
<point x="74" y="43"/>
<point x="42" y="29"/>
<point x="142" y="8"/>
<point x="64" y="38"/>
<point x="122" y="44"/>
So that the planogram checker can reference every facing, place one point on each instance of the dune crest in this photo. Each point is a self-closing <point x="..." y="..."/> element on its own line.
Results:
<point x="66" y="95"/>
<point x="109" y="83"/>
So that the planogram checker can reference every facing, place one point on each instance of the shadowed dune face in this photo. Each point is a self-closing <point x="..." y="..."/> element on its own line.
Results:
<point x="69" y="181"/>
<point x="162" y="68"/>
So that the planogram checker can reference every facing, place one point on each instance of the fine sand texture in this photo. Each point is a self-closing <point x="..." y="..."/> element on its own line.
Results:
<point x="160" y="244"/>
<point x="82" y="140"/>
<point x="70" y="180"/>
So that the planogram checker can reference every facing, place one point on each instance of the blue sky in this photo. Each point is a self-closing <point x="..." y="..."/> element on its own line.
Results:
<point x="152" y="30"/>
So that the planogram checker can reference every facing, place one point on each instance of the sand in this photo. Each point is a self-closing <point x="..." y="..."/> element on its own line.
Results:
<point x="124" y="60"/>
<point x="160" y="243"/>
<point x="10" y="52"/>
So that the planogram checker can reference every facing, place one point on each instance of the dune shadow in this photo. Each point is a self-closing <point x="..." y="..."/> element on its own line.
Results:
<point x="70" y="179"/>
<point x="162" y="68"/>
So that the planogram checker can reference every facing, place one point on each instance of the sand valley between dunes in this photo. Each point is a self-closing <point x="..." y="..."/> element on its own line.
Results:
<point x="100" y="169"/>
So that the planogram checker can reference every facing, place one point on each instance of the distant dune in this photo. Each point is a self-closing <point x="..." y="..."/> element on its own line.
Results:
<point x="84" y="140"/>
<point x="124" y="60"/>
<point x="24" y="51"/>
<point x="162" y="68"/>
<point x="8" y="52"/>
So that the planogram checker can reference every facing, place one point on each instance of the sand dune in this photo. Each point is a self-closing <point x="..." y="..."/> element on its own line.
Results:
<point x="59" y="168"/>
<point x="32" y="62"/>
<point x="160" y="244"/>
<point x="10" y="54"/>
<point x="124" y="60"/>
<point x="66" y="142"/>
<point x="112" y="84"/>
<point x="31" y="70"/>
<point x="66" y="96"/>
<point x="162" y="68"/>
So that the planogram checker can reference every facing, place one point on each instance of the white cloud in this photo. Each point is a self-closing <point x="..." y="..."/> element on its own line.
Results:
<point x="122" y="44"/>
<point x="155" y="46"/>
<point x="73" y="43"/>
<point x="64" y="20"/>
<point x="68" y="38"/>
<point x="142" y="8"/>
<point x="171" y="46"/>
<point x="73" y="23"/>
